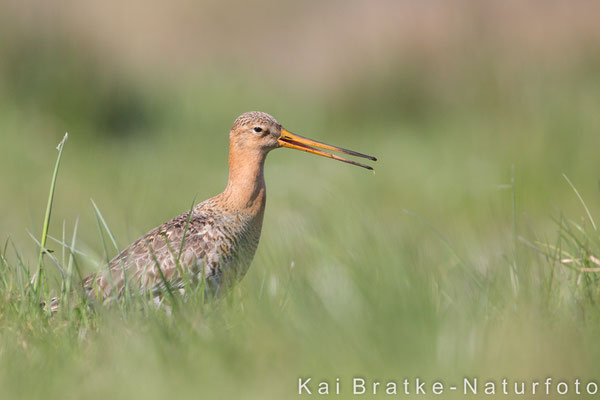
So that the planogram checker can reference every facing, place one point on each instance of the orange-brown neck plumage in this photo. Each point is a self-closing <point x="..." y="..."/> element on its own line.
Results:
<point x="246" y="190"/>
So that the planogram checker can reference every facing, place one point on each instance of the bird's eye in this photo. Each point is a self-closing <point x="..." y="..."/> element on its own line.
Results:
<point x="257" y="129"/>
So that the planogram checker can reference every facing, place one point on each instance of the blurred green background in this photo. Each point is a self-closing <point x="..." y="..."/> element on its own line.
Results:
<point x="424" y="269"/>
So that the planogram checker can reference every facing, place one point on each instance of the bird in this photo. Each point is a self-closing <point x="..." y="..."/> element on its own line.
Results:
<point x="215" y="240"/>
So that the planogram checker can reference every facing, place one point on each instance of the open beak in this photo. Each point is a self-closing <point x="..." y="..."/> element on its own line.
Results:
<point x="293" y="141"/>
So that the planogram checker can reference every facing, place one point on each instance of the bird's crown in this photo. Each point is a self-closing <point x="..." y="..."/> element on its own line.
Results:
<point x="254" y="117"/>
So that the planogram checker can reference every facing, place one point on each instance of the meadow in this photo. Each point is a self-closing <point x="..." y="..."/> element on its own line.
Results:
<point x="472" y="251"/>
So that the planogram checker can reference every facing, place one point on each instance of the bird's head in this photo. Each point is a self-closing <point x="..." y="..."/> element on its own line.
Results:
<point x="257" y="130"/>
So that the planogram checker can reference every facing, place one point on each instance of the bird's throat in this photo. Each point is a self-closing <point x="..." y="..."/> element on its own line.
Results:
<point x="246" y="190"/>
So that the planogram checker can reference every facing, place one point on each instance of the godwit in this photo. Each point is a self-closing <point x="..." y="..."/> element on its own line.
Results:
<point x="217" y="242"/>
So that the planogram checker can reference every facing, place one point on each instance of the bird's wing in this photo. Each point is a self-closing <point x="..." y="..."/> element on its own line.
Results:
<point x="159" y="256"/>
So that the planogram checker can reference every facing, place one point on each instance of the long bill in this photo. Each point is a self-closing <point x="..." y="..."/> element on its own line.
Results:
<point x="293" y="141"/>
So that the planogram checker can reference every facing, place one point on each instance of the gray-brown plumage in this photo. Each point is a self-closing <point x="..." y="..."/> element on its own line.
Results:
<point x="221" y="237"/>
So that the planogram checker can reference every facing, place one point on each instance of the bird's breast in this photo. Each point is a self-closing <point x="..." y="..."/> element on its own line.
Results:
<point x="235" y="237"/>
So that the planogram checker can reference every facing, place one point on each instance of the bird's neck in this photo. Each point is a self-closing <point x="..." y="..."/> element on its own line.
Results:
<point x="246" y="190"/>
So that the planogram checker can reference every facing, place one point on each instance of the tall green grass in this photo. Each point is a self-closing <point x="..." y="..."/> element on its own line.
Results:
<point x="373" y="300"/>
<point x="38" y="278"/>
<point x="491" y="271"/>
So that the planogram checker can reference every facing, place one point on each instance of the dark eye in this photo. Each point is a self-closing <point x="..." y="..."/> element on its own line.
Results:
<point x="257" y="129"/>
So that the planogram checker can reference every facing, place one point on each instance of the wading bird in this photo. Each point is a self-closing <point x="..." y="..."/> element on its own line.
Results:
<point x="216" y="243"/>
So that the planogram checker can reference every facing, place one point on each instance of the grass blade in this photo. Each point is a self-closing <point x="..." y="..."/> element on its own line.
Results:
<point x="100" y="218"/>
<point x="37" y="278"/>
<point x="69" y="277"/>
<point x="581" y="200"/>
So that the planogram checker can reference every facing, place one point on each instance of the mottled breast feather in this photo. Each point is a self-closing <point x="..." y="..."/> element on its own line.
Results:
<point x="219" y="247"/>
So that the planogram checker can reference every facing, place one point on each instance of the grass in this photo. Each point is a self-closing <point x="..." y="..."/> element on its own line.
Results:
<point x="466" y="254"/>
<point x="38" y="278"/>
<point x="371" y="300"/>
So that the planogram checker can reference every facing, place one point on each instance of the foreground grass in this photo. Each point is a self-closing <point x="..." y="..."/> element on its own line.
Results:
<point x="372" y="299"/>
<point x="439" y="266"/>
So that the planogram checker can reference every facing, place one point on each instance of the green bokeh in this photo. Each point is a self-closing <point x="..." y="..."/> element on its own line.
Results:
<point x="425" y="268"/>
